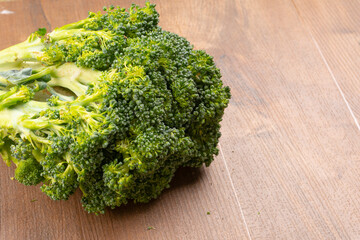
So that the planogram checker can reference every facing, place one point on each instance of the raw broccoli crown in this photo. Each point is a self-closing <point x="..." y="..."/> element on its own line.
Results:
<point x="142" y="103"/>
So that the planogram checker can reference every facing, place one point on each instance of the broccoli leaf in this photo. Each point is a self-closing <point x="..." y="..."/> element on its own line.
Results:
<point x="26" y="75"/>
<point x="15" y="76"/>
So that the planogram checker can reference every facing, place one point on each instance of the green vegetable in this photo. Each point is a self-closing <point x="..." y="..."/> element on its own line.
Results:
<point x="140" y="102"/>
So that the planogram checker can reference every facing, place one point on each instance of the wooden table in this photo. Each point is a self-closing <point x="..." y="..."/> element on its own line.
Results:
<point x="289" y="157"/>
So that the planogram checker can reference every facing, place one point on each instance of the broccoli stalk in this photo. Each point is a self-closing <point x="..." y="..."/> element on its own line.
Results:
<point x="73" y="78"/>
<point x="34" y="48"/>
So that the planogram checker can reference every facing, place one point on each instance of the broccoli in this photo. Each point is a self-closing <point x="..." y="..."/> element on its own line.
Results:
<point x="112" y="105"/>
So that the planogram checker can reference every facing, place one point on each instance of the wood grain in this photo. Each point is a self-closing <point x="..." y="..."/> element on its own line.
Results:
<point x="336" y="30"/>
<point x="288" y="136"/>
<point x="289" y="145"/>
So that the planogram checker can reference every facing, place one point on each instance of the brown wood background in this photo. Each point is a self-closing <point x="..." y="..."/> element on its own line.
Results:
<point x="290" y="150"/>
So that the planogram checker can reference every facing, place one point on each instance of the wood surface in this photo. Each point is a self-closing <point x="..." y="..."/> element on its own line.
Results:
<point x="289" y="157"/>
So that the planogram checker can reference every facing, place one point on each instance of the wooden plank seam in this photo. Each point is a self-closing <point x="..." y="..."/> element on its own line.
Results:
<point x="327" y="66"/>
<point x="335" y="81"/>
<point x="236" y="196"/>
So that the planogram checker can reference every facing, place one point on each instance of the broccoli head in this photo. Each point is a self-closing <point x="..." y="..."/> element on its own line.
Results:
<point x="111" y="104"/>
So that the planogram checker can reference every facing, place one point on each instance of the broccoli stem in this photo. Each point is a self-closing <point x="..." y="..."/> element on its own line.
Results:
<point x="74" y="78"/>
<point x="43" y="72"/>
<point x="38" y="156"/>
<point x="13" y="98"/>
<point x="16" y="120"/>
<point x="14" y="56"/>
<point x="3" y="82"/>
<point x="59" y="95"/>
<point x="31" y="49"/>
<point x="10" y="117"/>
<point x="12" y="62"/>
<point x="76" y="25"/>
<point x="68" y="76"/>
<point x="71" y="84"/>
<point x="85" y="100"/>
<point x="6" y="154"/>
<point x="37" y="124"/>
<point x="32" y="107"/>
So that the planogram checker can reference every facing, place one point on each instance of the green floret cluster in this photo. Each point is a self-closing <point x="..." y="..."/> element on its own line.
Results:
<point x="112" y="105"/>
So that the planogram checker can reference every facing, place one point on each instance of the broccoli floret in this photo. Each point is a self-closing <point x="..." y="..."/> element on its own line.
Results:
<point x="28" y="172"/>
<point x="111" y="104"/>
